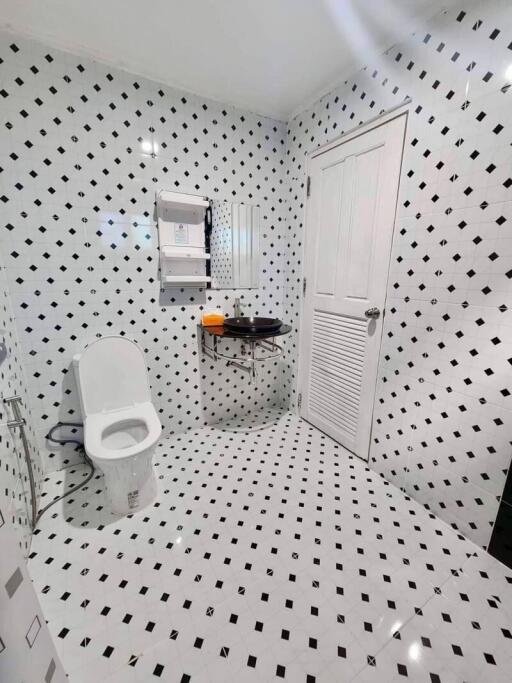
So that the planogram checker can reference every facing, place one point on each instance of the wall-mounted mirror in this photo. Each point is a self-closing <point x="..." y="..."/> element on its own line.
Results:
<point x="234" y="235"/>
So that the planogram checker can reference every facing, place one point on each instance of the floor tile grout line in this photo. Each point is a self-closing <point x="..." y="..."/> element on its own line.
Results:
<point x="414" y="616"/>
<point x="364" y="479"/>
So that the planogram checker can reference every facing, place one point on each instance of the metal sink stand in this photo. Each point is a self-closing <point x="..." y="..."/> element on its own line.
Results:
<point x="248" y="358"/>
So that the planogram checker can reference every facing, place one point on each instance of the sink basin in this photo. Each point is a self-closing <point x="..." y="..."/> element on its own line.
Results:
<point x="252" y="325"/>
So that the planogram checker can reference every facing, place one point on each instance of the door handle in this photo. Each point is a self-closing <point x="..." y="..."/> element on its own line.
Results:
<point x="372" y="312"/>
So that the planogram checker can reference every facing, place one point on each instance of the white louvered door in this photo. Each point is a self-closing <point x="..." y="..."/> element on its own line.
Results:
<point x="349" y="229"/>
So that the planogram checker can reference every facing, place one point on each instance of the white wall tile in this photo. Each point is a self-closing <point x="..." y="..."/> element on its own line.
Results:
<point x="447" y="299"/>
<point x="79" y="238"/>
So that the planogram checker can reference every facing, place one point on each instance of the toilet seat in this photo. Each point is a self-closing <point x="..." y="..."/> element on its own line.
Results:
<point x="98" y="423"/>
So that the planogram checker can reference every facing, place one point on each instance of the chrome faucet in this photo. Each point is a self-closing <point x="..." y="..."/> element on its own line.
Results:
<point x="238" y="310"/>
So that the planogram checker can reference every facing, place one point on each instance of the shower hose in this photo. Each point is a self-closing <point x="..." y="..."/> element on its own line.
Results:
<point x="80" y="446"/>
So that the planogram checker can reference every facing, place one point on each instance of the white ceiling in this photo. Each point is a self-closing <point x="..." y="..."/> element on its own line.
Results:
<point x="268" y="56"/>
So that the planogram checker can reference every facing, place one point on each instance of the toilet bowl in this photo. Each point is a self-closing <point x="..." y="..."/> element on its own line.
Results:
<point x="121" y="426"/>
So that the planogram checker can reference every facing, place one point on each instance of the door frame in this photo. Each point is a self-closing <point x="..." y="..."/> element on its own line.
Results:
<point x="401" y="110"/>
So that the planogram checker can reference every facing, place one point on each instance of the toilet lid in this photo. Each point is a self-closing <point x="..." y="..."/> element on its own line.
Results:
<point x="112" y="374"/>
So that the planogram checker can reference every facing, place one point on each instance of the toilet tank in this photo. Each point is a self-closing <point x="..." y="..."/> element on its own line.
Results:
<point x="111" y="374"/>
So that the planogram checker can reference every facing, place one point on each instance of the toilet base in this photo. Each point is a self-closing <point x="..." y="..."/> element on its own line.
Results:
<point x="130" y="484"/>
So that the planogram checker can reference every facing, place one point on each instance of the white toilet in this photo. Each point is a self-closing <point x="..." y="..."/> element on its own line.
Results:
<point x="121" y="426"/>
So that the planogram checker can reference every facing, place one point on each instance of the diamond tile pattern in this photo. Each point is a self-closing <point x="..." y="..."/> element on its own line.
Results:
<point x="27" y="652"/>
<point x="80" y="246"/>
<point x="270" y="553"/>
<point x="79" y="237"/>
<point x="442" y="420"/>
<point x="14" y="483"/>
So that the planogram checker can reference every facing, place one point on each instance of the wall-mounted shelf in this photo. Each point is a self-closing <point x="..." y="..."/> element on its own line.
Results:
<point x="180" y="253"/>
<point x="181" y="236"/>
<point x="186" y="279"/>
<point x="179" y="201"/>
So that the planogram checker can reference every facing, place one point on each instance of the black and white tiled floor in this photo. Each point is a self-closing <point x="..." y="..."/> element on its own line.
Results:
<point x="270" y="554"/>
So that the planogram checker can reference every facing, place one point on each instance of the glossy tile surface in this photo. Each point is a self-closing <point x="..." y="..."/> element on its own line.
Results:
<point x="14" y="478"/>
<point x="79" y="239"/>
<point x="27" y="652"/>
<point x="269" y="554"/>
<point x="443" y="409"/>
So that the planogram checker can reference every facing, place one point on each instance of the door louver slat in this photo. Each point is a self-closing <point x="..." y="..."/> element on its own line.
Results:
<point x="336" y="368"/>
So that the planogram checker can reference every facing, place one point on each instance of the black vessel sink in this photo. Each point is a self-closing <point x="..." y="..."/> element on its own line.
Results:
<point x="252" y="325"/>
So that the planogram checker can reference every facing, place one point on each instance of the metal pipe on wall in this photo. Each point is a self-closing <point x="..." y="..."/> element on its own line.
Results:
<point x="19" y="421"/>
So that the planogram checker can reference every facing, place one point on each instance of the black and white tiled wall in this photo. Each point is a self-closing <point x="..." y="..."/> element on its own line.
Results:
<point x="343" y="574"/>
<point x="78" y="230"/>
<point x="14" y="483"/>
<point x="443" y="422"/>
<point x="221" y="245"/>
<point x="27" y="652"/>
<point x="80" y="246"/>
